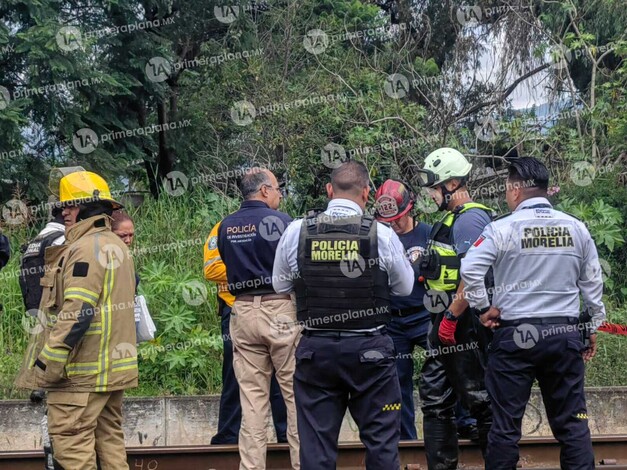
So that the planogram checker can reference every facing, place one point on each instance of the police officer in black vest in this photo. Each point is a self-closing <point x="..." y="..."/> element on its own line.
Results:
<point x="343" y="265"/>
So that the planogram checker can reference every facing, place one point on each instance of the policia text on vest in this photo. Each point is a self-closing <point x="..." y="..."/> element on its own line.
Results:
<point x="546" y="237"/>
<point x="334" y="250"/>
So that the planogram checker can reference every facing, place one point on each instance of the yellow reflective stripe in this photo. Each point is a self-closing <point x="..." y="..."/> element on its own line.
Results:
<point x="444" y="246"/>
<point x="119" y="369"/>
<point x="94" y="329"/>
<point x="82" y="368"/>
<point x="54" y="354"/>
<point x="71" y="373"/>
<point x="31" y="355"/>
<point x="78" y="364"/>
<point x="87" y="292"/>
<point x="124" y="364"/>
<point x="103" y="353"/>
<point x="82" y="297"/>
<point x="125" y="360"/>
<point x="83" y="294"/>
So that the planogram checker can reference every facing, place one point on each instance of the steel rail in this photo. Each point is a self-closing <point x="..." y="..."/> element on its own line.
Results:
<point x="536" y="452"/>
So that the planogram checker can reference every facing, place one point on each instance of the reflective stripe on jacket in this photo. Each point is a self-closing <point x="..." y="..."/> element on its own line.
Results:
<point x="89" y="338"/>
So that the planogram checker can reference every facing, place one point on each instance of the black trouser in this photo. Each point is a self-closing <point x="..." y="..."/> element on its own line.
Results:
<point x="450" y="372"/>
<point x="408" y="332"/>
<point x="355" y="372"/>
<point x="517" y="356"/>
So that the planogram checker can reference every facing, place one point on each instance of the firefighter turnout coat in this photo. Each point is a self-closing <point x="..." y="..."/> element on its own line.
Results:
<point x="88" y="342"/>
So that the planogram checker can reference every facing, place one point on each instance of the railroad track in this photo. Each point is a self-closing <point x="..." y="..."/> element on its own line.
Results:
<point x="537" y="453"/>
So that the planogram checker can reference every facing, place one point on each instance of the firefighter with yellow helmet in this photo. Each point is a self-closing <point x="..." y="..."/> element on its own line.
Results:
<point x="88" y="355"/>
<point x="455" y="365"/>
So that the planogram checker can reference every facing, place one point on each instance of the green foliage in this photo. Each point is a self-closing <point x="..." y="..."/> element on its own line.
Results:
<point x="37" y="129"/>
<point x="602" y="205"/>
<point x="604" y="221"/>
<point x="185" y="357"/>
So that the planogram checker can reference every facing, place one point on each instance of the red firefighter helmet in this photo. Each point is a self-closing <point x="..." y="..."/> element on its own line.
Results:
<point x="393" y="200"/>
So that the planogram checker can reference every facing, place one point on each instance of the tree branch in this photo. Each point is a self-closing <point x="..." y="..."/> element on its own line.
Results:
<point x="504" y="94"/>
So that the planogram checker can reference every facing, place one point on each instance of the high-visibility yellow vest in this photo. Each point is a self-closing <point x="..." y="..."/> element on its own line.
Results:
<point x="440" y="267"/>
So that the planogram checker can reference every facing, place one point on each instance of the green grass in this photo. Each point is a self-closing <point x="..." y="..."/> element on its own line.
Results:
<point x="195" y="366"/>
<point x="170" y="234"/>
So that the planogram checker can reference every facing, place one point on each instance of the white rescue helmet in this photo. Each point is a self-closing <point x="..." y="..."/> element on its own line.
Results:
<point x="442" y="165"/>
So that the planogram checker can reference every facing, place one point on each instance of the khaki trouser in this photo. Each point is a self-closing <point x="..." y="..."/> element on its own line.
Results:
<point x="83" y="424"/>
<point x="265" y="335"/>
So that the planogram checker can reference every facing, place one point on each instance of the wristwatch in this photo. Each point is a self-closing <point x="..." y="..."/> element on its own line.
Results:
<point x="449" y="316"/>
<point x="481" y="311"/>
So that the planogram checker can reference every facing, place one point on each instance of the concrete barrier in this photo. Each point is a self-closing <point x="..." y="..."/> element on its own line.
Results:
<point x="170" y="421"/>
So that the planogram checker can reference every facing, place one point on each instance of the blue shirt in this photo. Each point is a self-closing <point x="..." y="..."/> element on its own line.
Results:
<point x="415" y="244"/>
<point x="247" y="242"/>
<point x="467" y="228"/>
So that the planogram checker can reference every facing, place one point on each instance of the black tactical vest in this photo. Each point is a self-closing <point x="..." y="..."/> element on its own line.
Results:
<point x="32" y="269"/>
<point x="340" y="285"/>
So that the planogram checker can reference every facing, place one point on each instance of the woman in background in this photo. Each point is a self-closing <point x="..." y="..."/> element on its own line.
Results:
<point x="123" y="226"/>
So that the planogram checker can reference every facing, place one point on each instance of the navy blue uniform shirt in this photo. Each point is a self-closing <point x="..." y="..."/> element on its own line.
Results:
<point x="247" y="241"/>
<point x="415" y="244"/>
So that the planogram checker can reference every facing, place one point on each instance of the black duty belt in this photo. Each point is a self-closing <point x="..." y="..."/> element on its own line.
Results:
<point x="405" y="312"/>
<point x="540" y="321"/>
<point x="343" y="334"/>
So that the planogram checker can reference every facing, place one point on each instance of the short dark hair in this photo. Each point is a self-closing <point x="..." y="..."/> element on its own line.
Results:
<point x="57" y="214"/>
<point x="350" y="177"/>
<point x="529" y="171"/>
<point x="252" y="181"/>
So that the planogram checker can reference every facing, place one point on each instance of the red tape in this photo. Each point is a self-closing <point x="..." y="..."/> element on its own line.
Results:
<point x="613" y="328"/>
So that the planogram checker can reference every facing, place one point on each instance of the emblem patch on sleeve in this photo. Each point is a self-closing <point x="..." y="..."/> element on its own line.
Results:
<point x="80" y="269"/>
<point x="479" y="241"/>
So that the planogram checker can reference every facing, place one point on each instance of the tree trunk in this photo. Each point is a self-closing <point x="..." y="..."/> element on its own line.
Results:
<point x="149" y="163"/>
<point x="165" y="159"/>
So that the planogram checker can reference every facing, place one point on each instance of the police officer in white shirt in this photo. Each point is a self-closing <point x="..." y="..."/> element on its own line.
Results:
<point x="543" y="261"/>
<point x="343" y="266"/>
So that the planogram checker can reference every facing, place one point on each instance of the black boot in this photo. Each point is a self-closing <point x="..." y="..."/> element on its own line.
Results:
<point x="440" y="442"/>
<point x="468" y="432"/>
<point x="484" y="422"/>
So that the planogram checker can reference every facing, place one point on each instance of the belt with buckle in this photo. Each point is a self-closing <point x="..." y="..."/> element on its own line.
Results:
<point x="343" y="334"/>
<point x="251" y="298"/>
<point x="405" y="312"/>
<point x="540" y="321"/>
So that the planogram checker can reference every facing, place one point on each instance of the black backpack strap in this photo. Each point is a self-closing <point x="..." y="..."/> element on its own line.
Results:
<point x="49" y="239"/>
<point x="310" y="222"/>
<point x="366" y="223"/>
